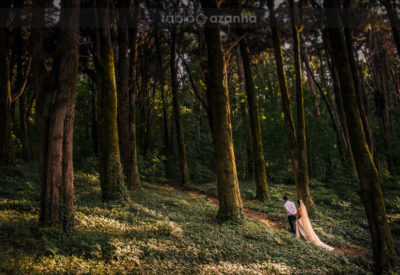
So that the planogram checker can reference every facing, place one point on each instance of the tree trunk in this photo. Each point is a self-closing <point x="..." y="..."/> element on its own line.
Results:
<point x="132" y="99"/>
<point x="162" y="89"/>
<point x="338" y="97"/>
<point x="379" y="61"/>
<point x="230" y="202"/>
<point x="303" y="190"/>
<point x="289" y="123"/>
<point x="57" y="117"/>
<point x="258" y="153"/>
<point x="183" y="162"/>
<point x="125" y="104"/>
<point x="6" y="146"/>
<point x="357" y="85"/>
<point x="394" y="21"/>
<point x="26" y="148"/>
<point x="371" y="194"/>
<point x="110" y="169"/>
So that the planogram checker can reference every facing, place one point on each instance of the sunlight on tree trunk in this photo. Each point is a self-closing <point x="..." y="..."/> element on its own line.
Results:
<point x="110" y="169"/>
<point x="230" y="202"/>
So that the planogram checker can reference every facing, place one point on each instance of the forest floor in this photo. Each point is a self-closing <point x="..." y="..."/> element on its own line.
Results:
<point x="163" y="230"/>
<point x="349" y="250"/>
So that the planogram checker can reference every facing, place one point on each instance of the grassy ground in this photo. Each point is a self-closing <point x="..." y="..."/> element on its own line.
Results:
<point x="163" y="230"/>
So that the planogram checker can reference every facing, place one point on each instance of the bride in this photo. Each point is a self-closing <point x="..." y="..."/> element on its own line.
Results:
<point x="304" y="228"/>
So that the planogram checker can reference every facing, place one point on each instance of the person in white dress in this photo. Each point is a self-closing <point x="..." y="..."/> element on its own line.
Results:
<point x="304" y="228"/>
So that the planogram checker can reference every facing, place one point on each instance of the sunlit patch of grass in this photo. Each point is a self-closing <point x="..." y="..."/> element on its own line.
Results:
<point x="253" y="268"/>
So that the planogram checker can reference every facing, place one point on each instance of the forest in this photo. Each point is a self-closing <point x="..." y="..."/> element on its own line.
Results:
<point x="199" y="137"/>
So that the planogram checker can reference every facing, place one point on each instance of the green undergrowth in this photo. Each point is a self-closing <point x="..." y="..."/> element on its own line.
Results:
<point x="160" y="230"/>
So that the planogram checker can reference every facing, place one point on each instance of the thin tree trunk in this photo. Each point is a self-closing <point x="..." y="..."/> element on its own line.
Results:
<point x="6" y="146"/>
<point x="183" y="162"/>
<point x="247" y="161"/>
<point x="303" y="190"/>
<point x="380" y="74"/>
<point x="262" y="192"/>
<point x="26" y="149"/>
<point x="371" y="193"/>
<point x="110" y="169"/>
<point x="125" y="104"/>
<point x="289" y="123"/>
<point x="230" y="202"/>
<point x="394" y="21"/>
<point x="162" y="89"/>
<point x="357" y="85"/>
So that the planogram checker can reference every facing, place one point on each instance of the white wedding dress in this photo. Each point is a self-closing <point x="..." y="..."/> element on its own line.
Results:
<point x="304" y="229"/>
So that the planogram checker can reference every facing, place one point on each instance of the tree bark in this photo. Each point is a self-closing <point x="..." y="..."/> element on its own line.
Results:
<point x="162" y="89"/>
<point x="230" y="202"/>
<point x="394" y="21"/>
<point x="380" y="73"/>
<point x="371" y="193"/>
<point x="23" y="116"/>
<point x="57" y="117"/>
<point x="110" y="169"/>
<point x="183" y="162"/>
<point x="303" y="190"/>
<point x="357" y="85"/>
<point x="262" y="192"/>
<point x="125" y="104"/>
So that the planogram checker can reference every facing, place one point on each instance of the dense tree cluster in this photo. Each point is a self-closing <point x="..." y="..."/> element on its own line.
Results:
<point x="310" y="89"/>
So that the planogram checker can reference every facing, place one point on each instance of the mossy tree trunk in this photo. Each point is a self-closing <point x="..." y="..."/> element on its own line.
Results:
<point x="110" y="169"/>
<point x="230" y="202"/>
<point x="125" y="103"/>
<point x="183" y="162"/>
<point x="262" y="192"/>
<point x="371" y="193"/>
<point x="6" y="146"/>
<point x="299" y="176"/>
<point x="303" y="190"/>
<point x="57" y="118"/>
<point x="360" y="92"/>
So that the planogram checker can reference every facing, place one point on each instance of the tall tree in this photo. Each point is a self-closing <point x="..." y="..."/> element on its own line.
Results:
<point x="360" y="92"/>
<point x="6" y="146"/>
<point x="183" y="162"/>
<point x="126" y="102"/>
<point x="371" y="193"/>
<point x="394" y="19"/>
<point x="299" y="176"/>
<point x="262" y="192"/>
<point x="230" y="202"/>
<point x="303" y="191"/>
<point x="110" y="169"/>
<point x="57" y="117"/>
